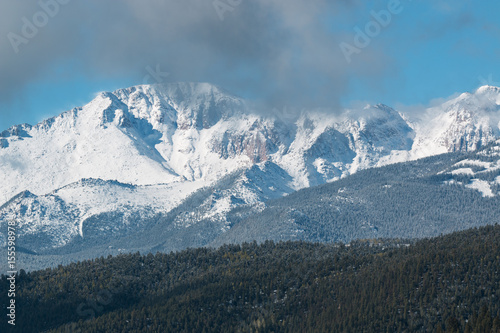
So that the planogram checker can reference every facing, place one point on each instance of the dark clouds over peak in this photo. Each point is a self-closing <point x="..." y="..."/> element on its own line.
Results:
<point x="276" y="49"/>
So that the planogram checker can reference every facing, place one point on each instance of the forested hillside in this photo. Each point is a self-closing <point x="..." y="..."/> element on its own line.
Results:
<point x="417" y="199"/>
<point x="448" y="283"/>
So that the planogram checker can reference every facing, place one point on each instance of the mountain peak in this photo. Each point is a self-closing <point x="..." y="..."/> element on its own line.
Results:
<point x="177" y="90"/>
<point x="487" y="89"/>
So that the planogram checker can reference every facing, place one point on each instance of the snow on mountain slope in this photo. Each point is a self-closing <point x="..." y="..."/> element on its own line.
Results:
<point x="167" y="141"/>
<point x="480" y="172"/>
<point x="82" y="143"/>
<point x="46" y="221"/>
<point x="252" y="186"/>
<point x="327" y="147"/>
<point x="62" y="215"/>
<point x="188" y="117"/>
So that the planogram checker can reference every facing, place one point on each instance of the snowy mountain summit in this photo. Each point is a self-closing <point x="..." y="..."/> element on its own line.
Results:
<point x="137" y="153"/>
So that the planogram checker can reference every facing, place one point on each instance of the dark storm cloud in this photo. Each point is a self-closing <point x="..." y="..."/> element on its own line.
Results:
<point x="280" y="50"/>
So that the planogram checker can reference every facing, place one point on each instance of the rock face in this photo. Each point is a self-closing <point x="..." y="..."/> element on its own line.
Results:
<point x="137" y="153"/>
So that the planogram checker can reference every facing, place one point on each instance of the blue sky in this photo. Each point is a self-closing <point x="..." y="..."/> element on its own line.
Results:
<point x="437" y="50"/>
<point x="284" y="51"/>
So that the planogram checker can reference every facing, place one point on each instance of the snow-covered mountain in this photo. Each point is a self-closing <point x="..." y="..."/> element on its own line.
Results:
<point x="137" y="153"/>
<point x="464" y="123"/>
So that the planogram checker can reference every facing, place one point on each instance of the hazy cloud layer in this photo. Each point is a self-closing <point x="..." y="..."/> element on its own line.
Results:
<point x="276" y="49"/>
